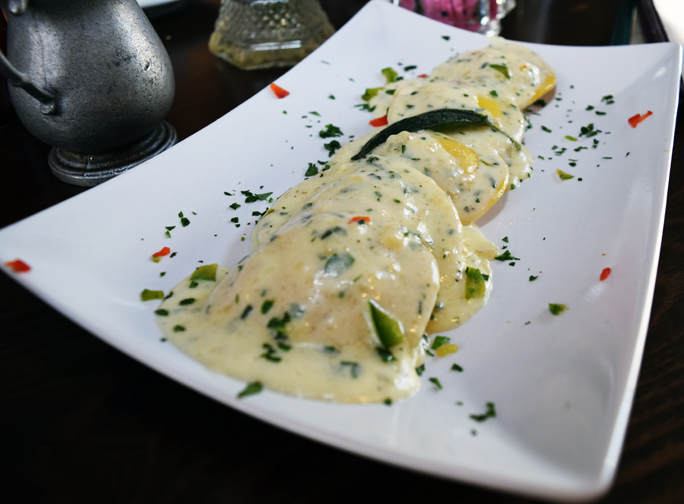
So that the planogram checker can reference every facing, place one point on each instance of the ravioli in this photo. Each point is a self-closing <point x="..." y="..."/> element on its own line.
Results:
<point x="359" y="263"/>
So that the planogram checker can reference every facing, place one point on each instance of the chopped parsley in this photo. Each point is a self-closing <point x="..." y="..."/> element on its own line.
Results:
<point x="420" y="369"/>
<point x="436" y="383"/>
<point x="311" y="170"/>
<point x="330" y="131"/>
<point x="456" y="367"/>
<point x="506" y="256"/>
<point x="490" y="413"/>
<point x="353" y="368"/>
<point x="332" y="147"/>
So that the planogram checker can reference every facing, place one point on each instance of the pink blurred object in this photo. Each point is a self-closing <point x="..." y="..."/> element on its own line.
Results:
<point x="482" y="16"/>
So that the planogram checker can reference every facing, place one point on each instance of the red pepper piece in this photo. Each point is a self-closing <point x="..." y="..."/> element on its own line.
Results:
<point x="279" y="92"/>
<point x="636" y="119"/>
<point x="422" y="76"/>
<point x="163" y="252"/>
<point x="359" y="218"/>
<point x="18" y="266"/>
<point x="380" y="121"/>
<point x="605" y="273"/>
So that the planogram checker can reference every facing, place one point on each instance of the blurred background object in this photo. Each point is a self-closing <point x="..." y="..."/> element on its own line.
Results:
<point x="483" y="16"/>
<point x="6" y="113"/>
<point x="254" y="34"/>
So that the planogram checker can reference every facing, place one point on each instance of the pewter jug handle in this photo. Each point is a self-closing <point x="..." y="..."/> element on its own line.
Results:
<point x="19" y="79"/>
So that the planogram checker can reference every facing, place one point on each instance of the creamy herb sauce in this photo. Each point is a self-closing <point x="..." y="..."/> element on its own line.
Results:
<point x="395" y="227"/>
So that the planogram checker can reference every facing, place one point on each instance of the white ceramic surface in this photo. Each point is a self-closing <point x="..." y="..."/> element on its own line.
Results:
<point x="562" y="386"/>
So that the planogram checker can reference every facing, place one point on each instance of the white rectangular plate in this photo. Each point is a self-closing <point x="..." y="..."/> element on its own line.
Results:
<point x="562" y="386"/>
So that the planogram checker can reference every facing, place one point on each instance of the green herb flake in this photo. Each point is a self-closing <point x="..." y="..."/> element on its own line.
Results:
<point x="330" y="131"/>
<point x="494" y="93"/>
<point x="311" y="170"/>
<point x="390" y="74"/>
<point x="557" y="309"/>
<point x="332" y="147"/>
<point x="502" y="69"/>
<point x="408" y="68"/>
<point x="338" y="264"/>
<point x="456" y="367"/>
<point x="266" y="305"/>
<point x="385" y="355"/>
<point x="187" y="301"/>
<point x="235" y="206"/>
<point x="370" y="93"/>
<point x="162" y="313"/>
<point x="571" y="138"/>
<point x="388" y="401"/>
<point x="178" y="328"/>
<point x="353" y="368"/>
<point x="185" y="221"/>
<point x="251" y="389"/>
<point x="544" y="128"/>
<point x="446" y="37"/>
<point x="420" y="370"/>
<point x="490" y="413"/>
<point x="564" y="175"/>
<point x="506" y="256"/>
<point x="149" y="295"/>
<point x="278" y="325"/>
<point x="533" y="278"/>
<point x="436" y="383"/>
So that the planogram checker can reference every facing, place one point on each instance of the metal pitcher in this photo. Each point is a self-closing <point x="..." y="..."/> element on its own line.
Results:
<point x="92" y="79"/>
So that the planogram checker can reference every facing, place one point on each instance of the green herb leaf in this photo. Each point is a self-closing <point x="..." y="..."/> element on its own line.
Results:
<point x="439" y="341"/>
<point x="311" y="170"/>
<point x="251" y="389"/>
<point x="456" y="367"/>
<point x="420" y="369"/>
<point x="442" y="118"/>
<point x="502" y="69"/>
<point x="338" y="264"/>
<point x="506" y="256"/>
<point x="266" y="305"/>
<point x="185" y="302"/>
<point x="330" y="131"/>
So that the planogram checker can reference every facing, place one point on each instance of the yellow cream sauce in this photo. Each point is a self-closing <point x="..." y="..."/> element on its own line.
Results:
<point x="395" y="227"/>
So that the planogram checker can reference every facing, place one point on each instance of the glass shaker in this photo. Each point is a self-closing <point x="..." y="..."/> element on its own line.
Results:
<point x="483" y="16"/>
<point x="253" y="34"/>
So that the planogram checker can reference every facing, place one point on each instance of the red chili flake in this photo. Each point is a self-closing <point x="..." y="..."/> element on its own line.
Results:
<point x="422" y="76"/>
<point x="18" y="266"/>
<point x="279" y="92"/>
<point x="634" y="120"/>
<point x="156" y="257"/>
<point x="380" y="121"/>
<point x="358" y="218"/>
<point x="605" y="273"/>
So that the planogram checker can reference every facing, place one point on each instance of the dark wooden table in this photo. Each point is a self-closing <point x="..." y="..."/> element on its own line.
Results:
<point x="81" y="422"/>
